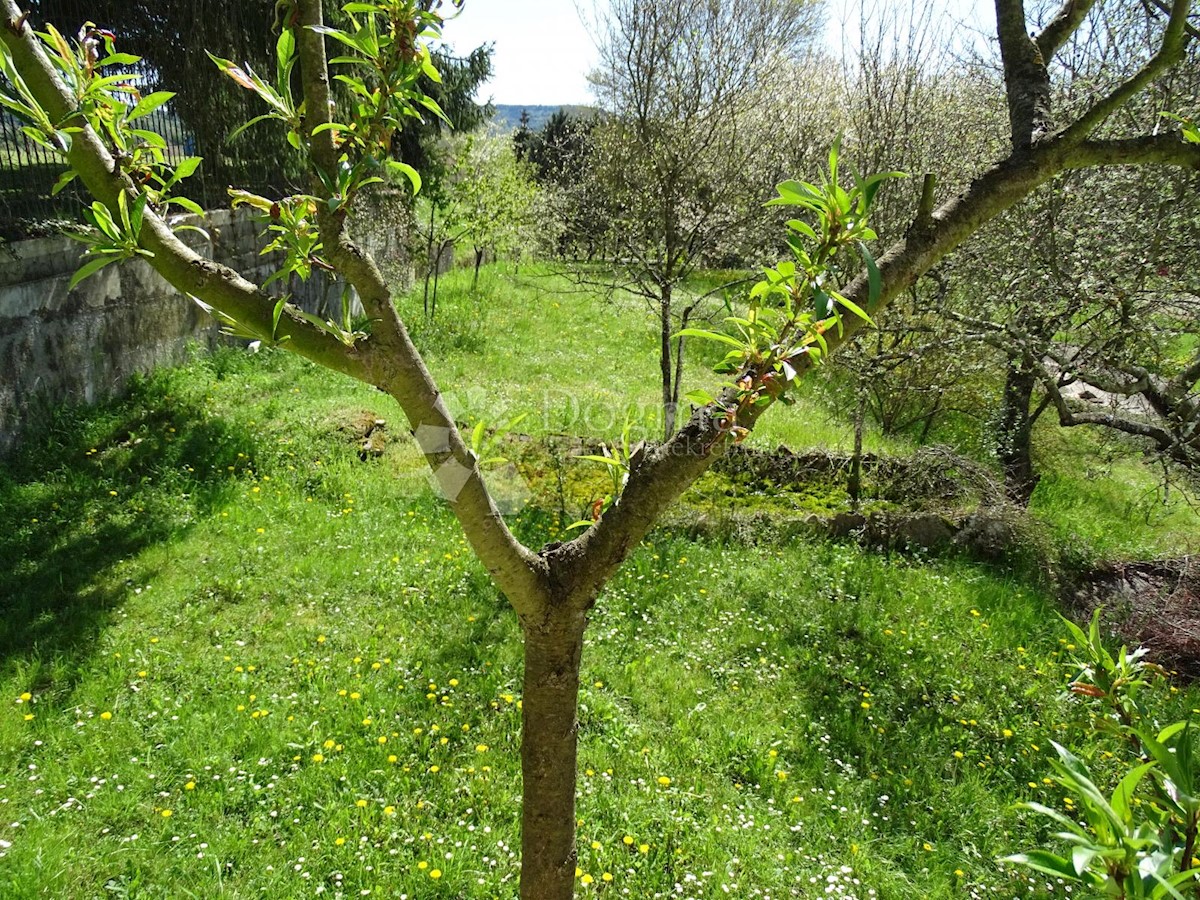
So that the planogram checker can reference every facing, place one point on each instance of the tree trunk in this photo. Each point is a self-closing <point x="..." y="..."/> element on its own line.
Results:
<point x="854" y="488"/>
<point x="437" y="274"/>
<point x="478" y="262"/>
<point x="430" y="262"/>
<point x="548" y="754"/>
<point x="1014" y="444"/>
<point x="664" y="362"/>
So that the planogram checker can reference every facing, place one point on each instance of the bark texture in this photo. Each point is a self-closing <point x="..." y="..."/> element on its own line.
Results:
<point x="549" y="738"/>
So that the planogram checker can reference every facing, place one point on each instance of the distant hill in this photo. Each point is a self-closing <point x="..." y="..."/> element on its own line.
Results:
<point x="508" y="116"/>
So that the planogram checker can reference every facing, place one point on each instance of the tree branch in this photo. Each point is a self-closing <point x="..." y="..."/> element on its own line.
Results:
<point x="1167" y="148"/>
<point x="1187" y="26"/>
<point x="396" y="366"/>
<point x="1062" y="26"/>
<point x="389" y="361"/>
<point x="1174" y="42"/>
<point x="218" y="286"/>
<point x="1026" y="80"/>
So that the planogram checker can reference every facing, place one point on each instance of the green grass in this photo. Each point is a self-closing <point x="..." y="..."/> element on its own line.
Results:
<point x="259" y="666"/>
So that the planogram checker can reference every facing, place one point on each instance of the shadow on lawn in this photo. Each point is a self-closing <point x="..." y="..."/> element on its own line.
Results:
<point x="92" y="490"/>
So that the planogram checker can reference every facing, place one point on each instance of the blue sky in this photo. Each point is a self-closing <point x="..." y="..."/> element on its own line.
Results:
<point x="543" y="51"/>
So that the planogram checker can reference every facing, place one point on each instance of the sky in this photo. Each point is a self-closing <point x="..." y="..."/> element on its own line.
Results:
<point x="543" y="51"/>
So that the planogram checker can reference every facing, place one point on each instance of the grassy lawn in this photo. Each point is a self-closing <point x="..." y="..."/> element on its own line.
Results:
<point x="238" y="660"/>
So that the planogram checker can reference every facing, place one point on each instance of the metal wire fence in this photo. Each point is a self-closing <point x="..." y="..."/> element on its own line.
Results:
<point x="28" y="171"/>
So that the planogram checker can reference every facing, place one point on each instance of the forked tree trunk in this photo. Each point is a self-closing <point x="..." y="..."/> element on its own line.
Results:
<point x="548" y="754"/>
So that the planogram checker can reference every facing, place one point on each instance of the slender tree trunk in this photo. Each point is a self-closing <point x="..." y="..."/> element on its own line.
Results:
<point x="664" y="361"/>
<point x="1014" y="445"/>
<point x="478" y="261"/>
<point x="855" y="484"/>
<point x="548" y="754"/>
<point x="430" y="262"/>
<point x="437" y="274"/>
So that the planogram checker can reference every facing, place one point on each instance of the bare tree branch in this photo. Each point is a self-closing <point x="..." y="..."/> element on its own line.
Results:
<point x="1167" y="148"/>
<point x="1062" y="26"/>
<point x="1170" y="52"/>
<point x="1162" y="6"/>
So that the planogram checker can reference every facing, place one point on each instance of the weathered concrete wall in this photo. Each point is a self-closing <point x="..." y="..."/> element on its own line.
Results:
<point x="81" y="346"/>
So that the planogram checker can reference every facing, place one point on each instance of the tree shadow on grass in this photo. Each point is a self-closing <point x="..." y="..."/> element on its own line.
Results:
<point x="90" y="491"/>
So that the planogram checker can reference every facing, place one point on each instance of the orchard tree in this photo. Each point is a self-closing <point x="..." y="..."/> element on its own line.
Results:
<point x="798" y="313"/>
<point x="675" y="162"/>
<point x="483" y="197"/>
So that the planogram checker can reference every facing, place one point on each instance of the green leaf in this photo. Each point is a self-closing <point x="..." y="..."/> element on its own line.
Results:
<point x="402" y="168"/>
<point x="276" y="313"/>
<point x="710" y="336"/>
<point x="149" y="104"/>
<point x="1044" y="861"/>
<point x="118" y="59"/>
<point x="150" y="138"/>
<point x="196" y="228"/>
<point x="63" y="180"/>
<point x="700" y="397"/>
<point x="432" y="105"/>
<point x="803" y="228"/>
<point x="91" y="267"/>
<point x="285" y="50"/>
<point x="186" y="168"/>
<point x="430" y="70"/>
<point x="854" y="308"/>
<point x="1081" y="857"/>
<point x="1122" y="798"/>
<point x="233" y="134"/>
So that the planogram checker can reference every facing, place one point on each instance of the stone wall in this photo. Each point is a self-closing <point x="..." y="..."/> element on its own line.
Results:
<point x="80" y="346"/>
